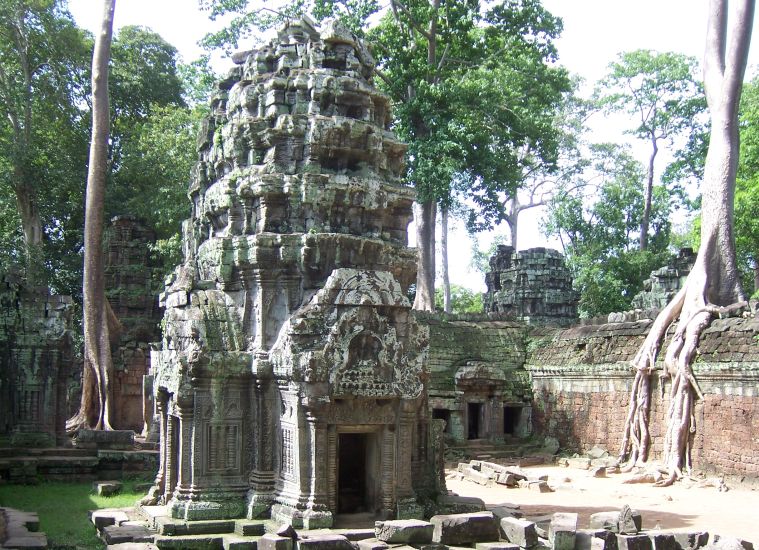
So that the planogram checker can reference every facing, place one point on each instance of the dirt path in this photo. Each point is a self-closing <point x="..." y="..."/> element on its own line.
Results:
<point x="676" y="508"/>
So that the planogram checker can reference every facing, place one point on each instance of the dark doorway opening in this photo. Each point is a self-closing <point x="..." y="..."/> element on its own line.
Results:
<point x="474" y="415"/>
<point x="352" y="474"/>
<point x="511" y="416"/>
<point x="443" y="414"/>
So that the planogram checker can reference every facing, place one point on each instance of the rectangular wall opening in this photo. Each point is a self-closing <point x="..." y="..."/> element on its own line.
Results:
<point x="358" y="473"/>
<point x="443" y="414"/>
<point x="511" y="417"/>
<point x="474" y="420"/>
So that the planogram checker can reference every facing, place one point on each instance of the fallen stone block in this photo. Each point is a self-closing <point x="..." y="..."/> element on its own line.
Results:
<point x="634" y="542"/>
<point x="115" y="534"/>
<point x="323" y="542"/>
<point x="105" y="517"/>
<point x="476" y="476"/>
<point x="663" y="541"/>
<point x="496" y="546"/>
<point x="598" y="471"/>
<point x="561" y="531"/>
<point x="270" y="541"/>
<point x="460" y="529"/>
<point x="501" y="512"/>
<point x="519" y="531"/>
<point x="691" y="541"/>
<point x="510" y="480"/>
<point x="454" y="504"/>
<point x="539" y="487"/>
<point x="604" y="520"/>
<point x="132" y="546"/>
<point x="107" y="488"/>
<point x="597" y="452"/>
<point x="26" y="541"/>
<point x="372" y="544"/>
<point x="403" y="531"/>
<point x="630" y="521"/>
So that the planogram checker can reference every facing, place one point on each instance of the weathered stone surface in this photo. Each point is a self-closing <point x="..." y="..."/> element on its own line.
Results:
<point x="663" y="541"/>
<point x="372" y="544"/>
<point x="561" y="531"/>
<point x="460" y="529"/>
<point x="104" y="517"/>
<point x="324" y="542"/>
<point x="604" y="520"/>
<point x="115" y="534"/>
<point x="455" y="504"/>
<point x="634" y="542"/>
<point x="496" y="546"/>
<point x="132" y="546"/>
<point x="270" y="541"/>
<point x="692" y="541"/>
<point x="629" y="521"/>
<point x="404" y="531"/>
<point x="107" y="488"/>
<point x="729" y="543"/>
<point x="519" y="531"/>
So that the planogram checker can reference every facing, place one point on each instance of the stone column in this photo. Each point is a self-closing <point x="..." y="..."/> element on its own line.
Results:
<point x="317" y="432"/>
<point x="185" y="410"/>
<point x="172" y="449"/>
<point x="261" y="494"/>
<point x="388" y="471"/>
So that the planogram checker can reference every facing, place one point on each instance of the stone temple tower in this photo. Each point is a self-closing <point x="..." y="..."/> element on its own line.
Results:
<point x="292" y="380"/>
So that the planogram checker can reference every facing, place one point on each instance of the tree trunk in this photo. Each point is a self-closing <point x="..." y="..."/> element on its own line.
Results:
<point x="95" y="407"/>
<point x="425" y="242"/>
<point x="648" y="196"/>
<point x="444" y="259"/>
<point x="713" y="285"/>
<point x="756" y="275"/>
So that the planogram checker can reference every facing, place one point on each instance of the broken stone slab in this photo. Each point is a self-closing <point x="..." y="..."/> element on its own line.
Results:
<point x="692" y="541"/>
<point x="323" y="542"/>
<point x="105" y="517"/>
<point x="270" y="541"/>
<point x="634" y="542"/>
<point x="508" y="479"/>
<point x="107" y="488"/>
<point x="132" y="546"/>
<point x="372" y="544"/>
<point x="477" y="476"/>
<point x="460" y="529"/>
<point x="501" y="512"/>
<point x="26" y="541"/>
<point x="519" y="531"/>
<point x="403" y="531"/>
<point x="496" y="546"/>
<point x="561" y="531"/>
<point x="455" y="504"/>
<point x="597" y="452"/>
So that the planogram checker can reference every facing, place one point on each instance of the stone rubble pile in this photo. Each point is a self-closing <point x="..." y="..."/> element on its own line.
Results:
<point x="501" y="528"/>
<point x="489" y="474"/>
<point x="597" y="460"/>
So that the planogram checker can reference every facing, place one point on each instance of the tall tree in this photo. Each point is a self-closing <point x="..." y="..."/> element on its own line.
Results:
<point x="713" y="285"/>
<point x="596" y="215"/>
<point x="661" y="94"/>
<point x="96" y="402"/>
<point x="41" y="70"/>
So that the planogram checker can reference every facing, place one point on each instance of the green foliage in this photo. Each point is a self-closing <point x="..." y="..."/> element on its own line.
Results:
<point x="62" y="509"/>
<point x="747" y="188"/>
<point x="463" y="300"/>
<point x="599" y="231"/>
<point x="480" y="261"/>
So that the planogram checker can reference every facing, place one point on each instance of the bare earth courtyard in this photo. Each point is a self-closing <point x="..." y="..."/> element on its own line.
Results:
<point x="677" y="508"/>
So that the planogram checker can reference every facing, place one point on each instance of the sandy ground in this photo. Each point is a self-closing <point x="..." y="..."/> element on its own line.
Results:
<point x="676" y="508"/>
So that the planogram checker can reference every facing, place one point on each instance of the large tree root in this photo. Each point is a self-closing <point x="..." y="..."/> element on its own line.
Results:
<point x="695" y="315"/>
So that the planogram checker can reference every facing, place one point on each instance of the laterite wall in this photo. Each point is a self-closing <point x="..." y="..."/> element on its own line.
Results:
<point x="581" y="379"/>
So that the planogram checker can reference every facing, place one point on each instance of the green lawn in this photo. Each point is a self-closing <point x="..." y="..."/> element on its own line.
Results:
<point x="62" y="509"/>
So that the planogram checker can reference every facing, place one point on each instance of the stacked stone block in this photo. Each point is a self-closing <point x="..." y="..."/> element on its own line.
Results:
<point x="533" y="285"/>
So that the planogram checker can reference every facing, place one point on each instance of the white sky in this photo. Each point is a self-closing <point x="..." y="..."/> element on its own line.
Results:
<point x="594" y="32"/>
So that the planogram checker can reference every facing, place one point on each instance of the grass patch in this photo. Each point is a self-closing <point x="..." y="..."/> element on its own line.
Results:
<point x="62" y="509"/>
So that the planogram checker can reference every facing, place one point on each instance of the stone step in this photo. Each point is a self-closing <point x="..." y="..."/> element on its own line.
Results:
<point x="249" y="527"/>
<point x="179" y="527"/>
<point x="190" y="542"/>
<point x="238" y="542"/>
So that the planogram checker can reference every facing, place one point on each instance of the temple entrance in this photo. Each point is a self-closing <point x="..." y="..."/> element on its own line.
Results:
<point x="474" y="420"/>
<point x="358" y="473"/>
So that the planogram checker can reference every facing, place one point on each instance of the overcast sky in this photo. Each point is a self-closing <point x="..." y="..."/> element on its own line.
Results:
<point x="595" y="31"/>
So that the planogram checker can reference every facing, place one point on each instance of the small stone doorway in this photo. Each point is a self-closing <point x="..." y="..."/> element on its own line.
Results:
<point x="474" y="420"/>
<point x="357" y="473"/>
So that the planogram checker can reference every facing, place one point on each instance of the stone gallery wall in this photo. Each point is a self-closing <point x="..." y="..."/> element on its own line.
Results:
<point x="35" y="363"/>
<point x="581" y="379"/>
<point x="477" y="376"/>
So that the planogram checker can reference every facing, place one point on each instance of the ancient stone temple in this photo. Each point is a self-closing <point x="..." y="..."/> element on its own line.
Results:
<point x="36" y="362"/>
<point x="533" y="285"/>
<point x="292" y="377"/>
<point x="664" y="282"/>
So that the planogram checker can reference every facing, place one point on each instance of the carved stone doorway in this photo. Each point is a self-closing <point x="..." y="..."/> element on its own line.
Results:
<point x="358" y="472"/>
<point x="474" y="420"/>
